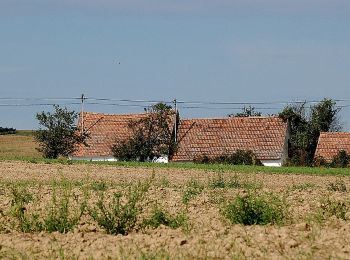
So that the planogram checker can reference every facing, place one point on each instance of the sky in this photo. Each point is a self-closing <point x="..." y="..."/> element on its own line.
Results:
<point x="267" y="53"/>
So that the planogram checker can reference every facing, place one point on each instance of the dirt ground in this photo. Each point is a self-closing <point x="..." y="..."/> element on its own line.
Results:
<point x="208" y="234"/>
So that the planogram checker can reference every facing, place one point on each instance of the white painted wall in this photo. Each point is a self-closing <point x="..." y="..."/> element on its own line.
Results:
<point x="272" y="163"/>
<point x="94" y="159"/>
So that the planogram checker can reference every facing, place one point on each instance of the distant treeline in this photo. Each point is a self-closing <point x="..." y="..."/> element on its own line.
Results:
<point x="7" y="130"/>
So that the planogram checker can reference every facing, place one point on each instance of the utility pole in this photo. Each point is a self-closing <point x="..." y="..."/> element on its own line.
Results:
<point x="82" y="113"/>
<point x="175" y="107"/>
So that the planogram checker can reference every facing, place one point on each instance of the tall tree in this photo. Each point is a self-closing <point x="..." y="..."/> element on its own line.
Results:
<point x="305" y="127"/>
<point x="57" y="135"/>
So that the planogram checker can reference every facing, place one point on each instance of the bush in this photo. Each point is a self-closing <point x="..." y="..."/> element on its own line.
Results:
<point x="118" y="217"/>
<point x="240" y="157"/>
<point x="256" y="210"/>
<point x="341" y="160"/>
<point x="160" y="217"/>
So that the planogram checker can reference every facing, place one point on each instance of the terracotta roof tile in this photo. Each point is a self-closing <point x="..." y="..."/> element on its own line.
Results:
<point x="330" y="143"/>
<point x="104" y="130"/>
<point x="265" y="136"/>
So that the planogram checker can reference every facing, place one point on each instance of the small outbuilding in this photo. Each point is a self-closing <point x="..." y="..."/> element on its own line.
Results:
<point x="330" y="143"/>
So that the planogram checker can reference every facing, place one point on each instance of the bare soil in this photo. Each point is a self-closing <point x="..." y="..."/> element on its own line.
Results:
<point x="208" y="234"/>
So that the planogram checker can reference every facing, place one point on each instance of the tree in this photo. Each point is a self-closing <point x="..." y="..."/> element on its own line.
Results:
<point x="7" y="130"/>
<point x="305" y="128"/>
<point x="152" y="136"/>
<point x="246" y="112"/>
<point x="59" y="134"/>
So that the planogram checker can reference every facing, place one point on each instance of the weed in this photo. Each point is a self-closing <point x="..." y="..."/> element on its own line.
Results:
<point x="217" y="182"/>
<point x="164" y="182"/>
<point x="232" y="183"/>
<point x="117" y="217"/>
<point x="99" y="186"/>
<point x="253" y="209"/>
<point x="193" y="188"/>
<point x="20" y="200"/>
<point x="338" y="185"/>
<point x="335" y="208"/>
<point x="59" y="217"/>
<point x="161" y="217"/>
<point x="303" y="186"/>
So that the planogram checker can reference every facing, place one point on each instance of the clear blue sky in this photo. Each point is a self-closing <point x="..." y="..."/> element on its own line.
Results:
<point x="224" y="50"/>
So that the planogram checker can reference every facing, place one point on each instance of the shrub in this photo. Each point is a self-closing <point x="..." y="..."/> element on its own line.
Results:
<point x="341" y="160"/>
<point x="160" y="217"/>
<point x="240" y="157"/>
<point x="117" y="217"/>
<point x="254" y="209"/>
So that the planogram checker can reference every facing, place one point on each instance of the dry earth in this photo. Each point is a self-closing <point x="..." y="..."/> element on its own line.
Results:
<point x="207" y="233"/>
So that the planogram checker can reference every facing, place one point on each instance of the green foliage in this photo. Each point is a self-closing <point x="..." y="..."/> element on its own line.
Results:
<point x="59" y="134"/>
<point x="330" y="207"/>
<point x="303" y="186"/>
<point x="117" y="216"/>
<point x="338" y="185"/>
<point x="246" y="112"/>
<point x="192" y="189"/>
<point x="161" y="217"/>
<point x="231" y="183"/>
<point x="60" y="216"/>
<point x="240" y="157"/>
<point x="341" y="159"/>
<point x="152" y="135"/>
<point x="99" y="186"/>
<point x="19" y="204"/>
<point x="252" y="209"/>
<point x="305" y="128"/>
<point x="7" y="131"/>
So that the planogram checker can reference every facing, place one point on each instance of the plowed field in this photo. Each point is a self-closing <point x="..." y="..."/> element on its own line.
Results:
<point x="316" y="225"/>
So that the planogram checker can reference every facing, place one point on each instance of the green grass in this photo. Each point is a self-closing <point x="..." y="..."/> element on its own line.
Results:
<point x="192" y="166"/>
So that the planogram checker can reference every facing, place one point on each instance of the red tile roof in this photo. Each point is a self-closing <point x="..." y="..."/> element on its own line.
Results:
<point x="265" y="136"/>
<point x="330" y="143"/>
<point x="104" y="130"/>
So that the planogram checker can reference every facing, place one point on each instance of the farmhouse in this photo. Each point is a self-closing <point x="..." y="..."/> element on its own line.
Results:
<point x="267" y="137"/>
<point x="103" y="130"/>
<point x="330" y="143"/>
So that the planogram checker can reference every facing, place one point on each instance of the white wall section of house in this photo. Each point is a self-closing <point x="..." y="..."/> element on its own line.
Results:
<point x="272" y="163"/>
<point x="94" y="159"/>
